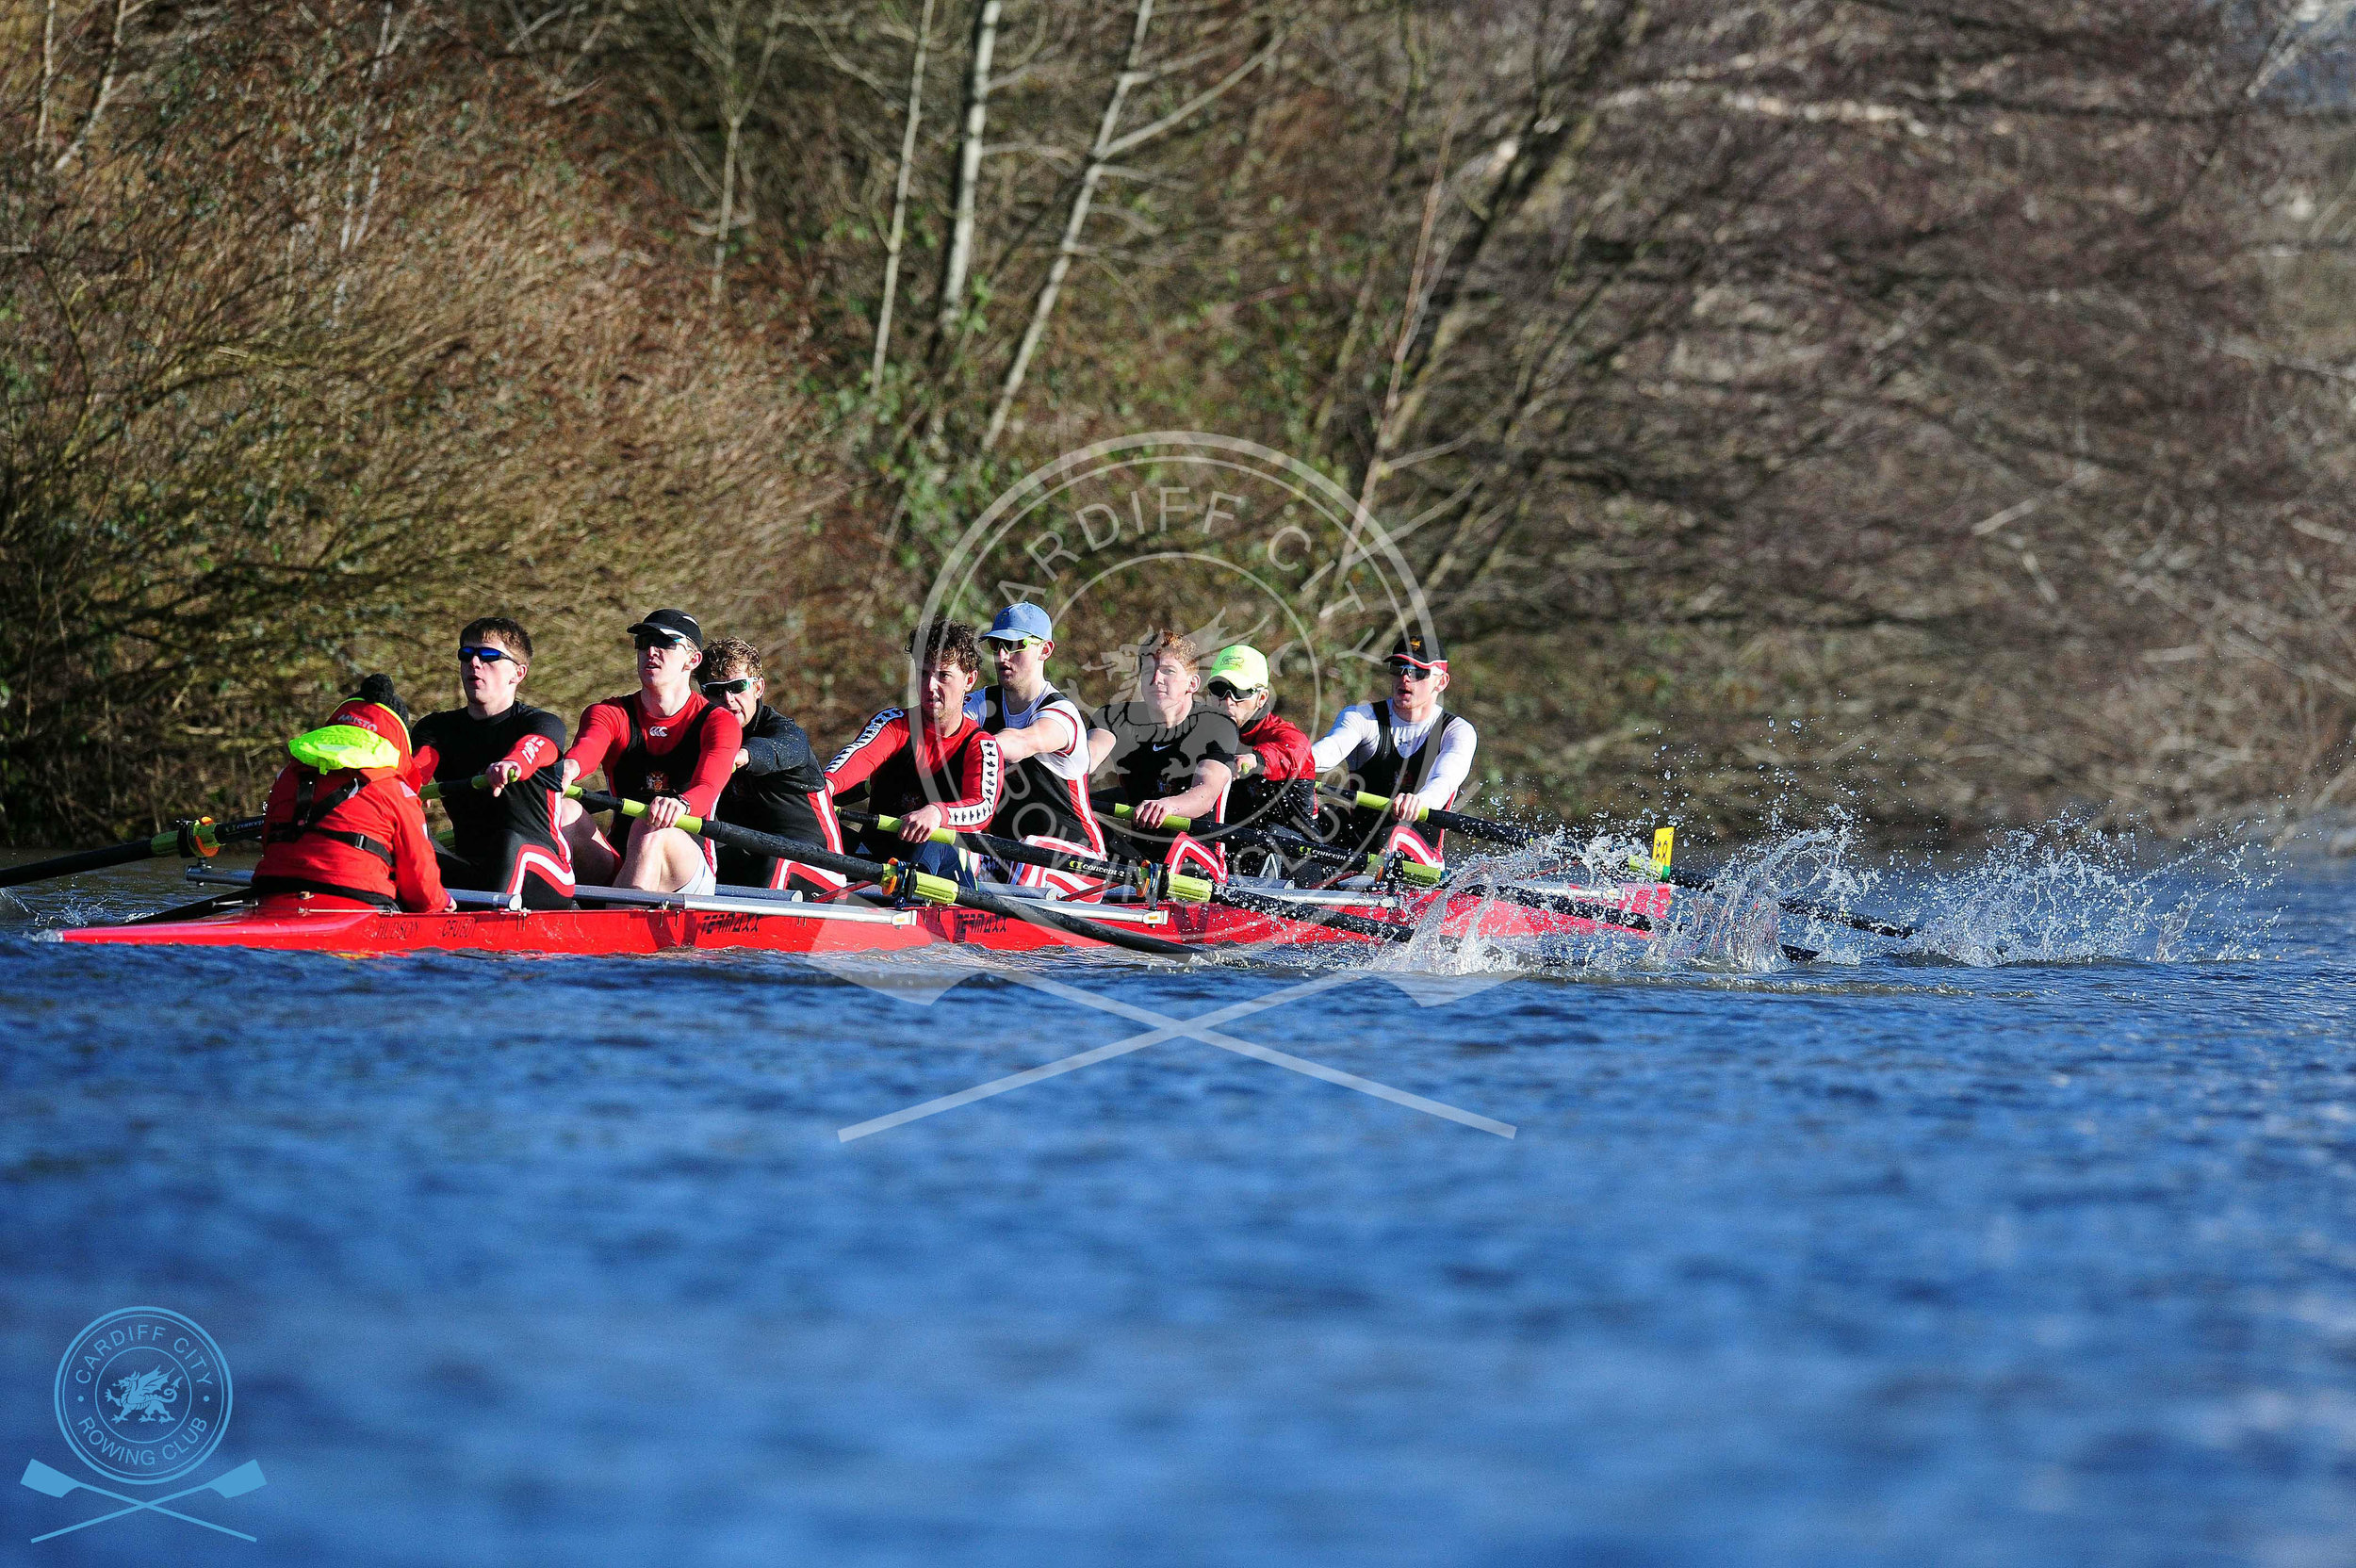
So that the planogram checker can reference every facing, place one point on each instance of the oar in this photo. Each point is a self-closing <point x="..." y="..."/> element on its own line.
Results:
<point x="1609" y="914"/>
<point x="1481" y="827"/>
<point x="893" y="876"/>
<point x="1178" y="884"/>
<point x="1413" y="872"/>
<point x="190" y="839"/>
<point x="1141" y="875"/>
<point x="198" y="910"/>
<point x="1192" y="889"/>
<point x="235" y="1483"/>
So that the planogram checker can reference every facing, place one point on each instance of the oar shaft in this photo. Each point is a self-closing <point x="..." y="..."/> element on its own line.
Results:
<point x="1814" y="911"/>
<point x="192" y="839"/>
<point x="891" y="874"/>
<point x="1149" y="879"/>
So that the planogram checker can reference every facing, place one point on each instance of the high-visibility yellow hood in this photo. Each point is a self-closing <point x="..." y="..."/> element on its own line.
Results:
<point x="364" y="736"/>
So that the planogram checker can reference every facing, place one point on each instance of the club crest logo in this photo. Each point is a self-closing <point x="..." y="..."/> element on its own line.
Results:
<point x="143" y="1397"/>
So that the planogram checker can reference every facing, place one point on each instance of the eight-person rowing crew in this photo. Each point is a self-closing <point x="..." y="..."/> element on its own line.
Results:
<point x="1195" y="753"/>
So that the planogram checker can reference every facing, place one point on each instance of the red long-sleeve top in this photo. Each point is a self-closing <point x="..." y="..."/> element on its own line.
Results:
<point x="1284" y="748"/>
<point x="962" y="771"/>
<point x="604" y="737"/>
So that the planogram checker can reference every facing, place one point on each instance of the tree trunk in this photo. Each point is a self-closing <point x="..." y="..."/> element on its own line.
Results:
<point x="900" y="202"/>
<point x="1550" y="144"/>
<point x="961" y="258"/>
<point x="48" y="75"/>
<point x="727" y="208"/>
<point x="1074" y="220"/>
<point x="105" y="89"/>
<point x="1106" y="147"/>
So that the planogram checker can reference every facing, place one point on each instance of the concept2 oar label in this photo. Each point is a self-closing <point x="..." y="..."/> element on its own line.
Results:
<point x="143" y="1398"/>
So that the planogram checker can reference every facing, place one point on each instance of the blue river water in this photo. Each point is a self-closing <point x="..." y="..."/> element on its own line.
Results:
<point x="2029" y="1240"/>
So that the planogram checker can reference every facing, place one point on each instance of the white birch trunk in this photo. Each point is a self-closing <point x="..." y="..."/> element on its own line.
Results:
<point x="728" y="209"/>
<point x="1106" y="147"/>
<point x="900" y="202"/>
<point x="48" y="75"/>
<point x="961" y="258"/>
<point x="106" y="89"/>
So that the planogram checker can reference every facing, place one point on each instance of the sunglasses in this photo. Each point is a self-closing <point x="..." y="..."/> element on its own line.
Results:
<point x="1226" y="692"/>
<point x="725" y="688"/>
<point x="1410" y="672"/>
<point x="486" y="656"/>
<point x="1008" y="645"/>
<point x="656" y="640"/>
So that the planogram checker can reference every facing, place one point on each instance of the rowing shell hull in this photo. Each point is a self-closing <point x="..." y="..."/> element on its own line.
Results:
<point x="605" y="932"/>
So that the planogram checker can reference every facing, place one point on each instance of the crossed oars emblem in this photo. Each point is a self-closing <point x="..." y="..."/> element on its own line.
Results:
<point x="56" y="1484"/>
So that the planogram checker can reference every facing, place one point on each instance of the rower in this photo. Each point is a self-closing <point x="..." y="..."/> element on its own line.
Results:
<point x="778" y="786"/>
<point x="665" y="745"/>
<point x="343" y="829"/>
<point x="1042" y="739"/>
<point x="1273" y="751"/>
<point x="1405" y="746"/>
<point x="505" y="835"/>
<point x="1174" y="755"/>
<point x="933" y="770"/>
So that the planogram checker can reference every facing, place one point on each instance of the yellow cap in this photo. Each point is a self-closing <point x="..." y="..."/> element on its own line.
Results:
<point x="1240" y="665"/>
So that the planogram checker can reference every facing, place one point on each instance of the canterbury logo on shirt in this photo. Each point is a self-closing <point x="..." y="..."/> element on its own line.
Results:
<point x="658" y="729"/>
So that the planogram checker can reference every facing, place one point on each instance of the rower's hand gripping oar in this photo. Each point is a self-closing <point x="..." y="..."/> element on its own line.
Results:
<point x="893" y="876"/>
<point x="198" y="840"/>
<point x="1192" y="889"/>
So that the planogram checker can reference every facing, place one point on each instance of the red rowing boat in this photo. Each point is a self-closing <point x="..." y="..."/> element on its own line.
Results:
<point x="1627" y="911"/>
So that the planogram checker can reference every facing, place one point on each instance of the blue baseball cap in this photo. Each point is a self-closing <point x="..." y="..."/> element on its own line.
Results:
<point x="1018" y="621"/>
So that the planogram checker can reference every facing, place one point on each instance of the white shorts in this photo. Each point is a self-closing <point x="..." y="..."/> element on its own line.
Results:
<point x="707" y="882"/>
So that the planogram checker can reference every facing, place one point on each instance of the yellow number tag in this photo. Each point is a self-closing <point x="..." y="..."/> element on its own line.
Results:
<point x="1664" y="845"/>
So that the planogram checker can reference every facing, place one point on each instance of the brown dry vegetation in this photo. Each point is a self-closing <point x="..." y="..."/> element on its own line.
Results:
<point x="1933" y="406"/>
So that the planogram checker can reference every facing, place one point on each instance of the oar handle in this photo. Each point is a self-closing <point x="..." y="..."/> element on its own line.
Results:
<point x="1175" y="823"/>
<point x="1449" y="821"/>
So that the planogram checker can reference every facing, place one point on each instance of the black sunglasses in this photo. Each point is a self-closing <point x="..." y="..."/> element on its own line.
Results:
<point x="657" y="640"/>
<point x="723" y="688"/>
<point x="1226" y="692"/>
<point x="1413" y="672"/>
<point x="487" y="656"/>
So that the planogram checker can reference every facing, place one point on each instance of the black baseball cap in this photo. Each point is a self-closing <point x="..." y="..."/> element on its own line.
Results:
<point x="1420" y="650"/>
<point x="677" y="625"/>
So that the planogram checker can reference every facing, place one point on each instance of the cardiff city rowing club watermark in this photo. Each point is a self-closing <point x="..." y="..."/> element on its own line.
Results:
<point x="1213" y="536"/>
<point x="1226" y="542"/>
<point x="143" y="1398"/>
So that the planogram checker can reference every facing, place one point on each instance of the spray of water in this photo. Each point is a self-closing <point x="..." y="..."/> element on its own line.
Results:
<point x="2064" y="892"/>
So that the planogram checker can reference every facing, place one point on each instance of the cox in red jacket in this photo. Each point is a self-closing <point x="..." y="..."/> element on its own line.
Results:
<point x="342" y="828"/>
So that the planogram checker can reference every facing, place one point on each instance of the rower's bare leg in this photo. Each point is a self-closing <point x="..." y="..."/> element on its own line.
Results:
<point x="593" y="860"/>
<point x="664" y="861"/>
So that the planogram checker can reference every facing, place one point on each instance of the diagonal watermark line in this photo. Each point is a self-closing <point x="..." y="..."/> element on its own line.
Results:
<point x="1199" y="1029"/>
<point x="1171" y="1030"/>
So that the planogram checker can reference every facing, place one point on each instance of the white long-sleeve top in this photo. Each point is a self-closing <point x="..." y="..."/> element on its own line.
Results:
<point x="1356" y="734"/>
